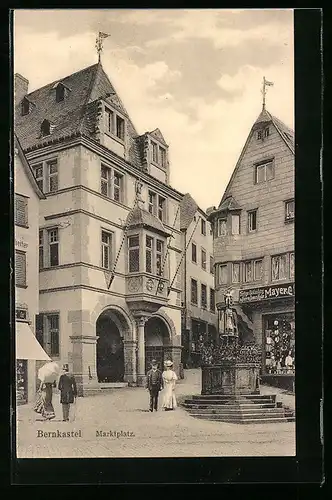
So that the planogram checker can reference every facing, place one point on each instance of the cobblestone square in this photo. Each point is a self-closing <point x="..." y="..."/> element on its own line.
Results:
<point x="118" y="424"/>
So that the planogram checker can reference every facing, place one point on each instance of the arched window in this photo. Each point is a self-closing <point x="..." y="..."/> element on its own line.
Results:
<point x="45" y="128"/>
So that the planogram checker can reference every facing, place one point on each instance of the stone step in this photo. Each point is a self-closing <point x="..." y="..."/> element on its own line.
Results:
<point x="232" y="397"/>
<point x="225" y="411"/>
<point x="193" y="404"/>
<point x="240" y="414"/>
<point x="113" y="385"/>
<point x="227" y="402"/>
<point x="243" y="420"/>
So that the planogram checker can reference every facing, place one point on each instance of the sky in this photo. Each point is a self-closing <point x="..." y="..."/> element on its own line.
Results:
<point x="194" y="74"/>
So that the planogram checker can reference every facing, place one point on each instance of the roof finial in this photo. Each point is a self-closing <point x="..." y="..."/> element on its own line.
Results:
<point x="265" y="84"/>
<point x="99" y="43"/>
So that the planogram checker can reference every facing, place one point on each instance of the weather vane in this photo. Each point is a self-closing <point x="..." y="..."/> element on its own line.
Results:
<point x="265" y="84"/>
<point x="99" y="43"/>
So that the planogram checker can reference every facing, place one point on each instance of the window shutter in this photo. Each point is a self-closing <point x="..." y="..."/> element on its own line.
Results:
<point x="40" y="329"/>
<point x="20" y="268"/>
<point x="21" y="212"/>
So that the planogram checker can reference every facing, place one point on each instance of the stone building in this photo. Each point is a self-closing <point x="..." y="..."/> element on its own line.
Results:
<point x="109" y="231"/>
<point x="199" y="318"/>
<point x="27" y="196"/>
<point x="253" y="230"/>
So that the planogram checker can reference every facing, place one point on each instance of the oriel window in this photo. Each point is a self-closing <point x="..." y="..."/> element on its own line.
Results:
<point x="235" y="224"/>
<point x="148" y="254"/>
<point x="222" y="227"/>
<point x="159" y="256"/>
<point x="279" y="267"/>
<point x="236" y="272"/>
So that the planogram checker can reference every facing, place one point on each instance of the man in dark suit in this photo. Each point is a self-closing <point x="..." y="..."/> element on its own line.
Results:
<point x="68" y="391"/>
<point x="154" y="384"/>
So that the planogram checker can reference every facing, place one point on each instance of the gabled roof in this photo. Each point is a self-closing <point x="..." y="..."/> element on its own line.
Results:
<point x="27" y="168"/>
<point x="229" y="204"/>
<point x="286" y="133"/>
<point x="158" y="135"/>
<point x="188" y="208"/>
<point x="76" y="114"/>
<point x="140" y="217"/>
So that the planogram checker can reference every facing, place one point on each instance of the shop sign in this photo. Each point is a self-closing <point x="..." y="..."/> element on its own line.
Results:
<point x="21" y="243"/>
<point x="266" y="293"/>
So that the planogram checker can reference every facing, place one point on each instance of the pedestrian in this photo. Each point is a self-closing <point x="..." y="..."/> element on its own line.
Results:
<point x="68" y="391"/>
<point x="169" y="378"/>
<point x="154" y="384"/>
<point x="44" y="404"/>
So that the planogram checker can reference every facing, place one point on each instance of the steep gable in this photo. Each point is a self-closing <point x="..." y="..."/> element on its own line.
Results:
<point x="158" y="135"/>
<point x="188" y="208"/>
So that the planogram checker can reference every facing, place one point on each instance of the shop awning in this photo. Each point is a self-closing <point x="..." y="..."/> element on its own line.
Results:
<point x="27" y="346"/>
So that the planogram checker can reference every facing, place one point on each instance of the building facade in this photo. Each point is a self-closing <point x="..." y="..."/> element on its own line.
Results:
<point x="109" y="232"/>
<point x="199" y="318"/>
<point x="253" y="230"/>
<point x="27" y="196"/>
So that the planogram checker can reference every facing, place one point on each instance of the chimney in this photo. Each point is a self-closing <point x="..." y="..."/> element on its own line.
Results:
<point x="21" y="85"/>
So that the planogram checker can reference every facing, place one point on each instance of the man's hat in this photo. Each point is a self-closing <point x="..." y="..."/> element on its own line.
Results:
<point x="154" y="362"/>
<point x="65" y="367"/>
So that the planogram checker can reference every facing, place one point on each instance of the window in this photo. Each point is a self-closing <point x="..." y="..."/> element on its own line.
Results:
<point x="133" y="251"/>
<point x="222" y="274"/>
<point x="212" y="300"/>
<point x="264" y="172"/>
<point x="60" y="92"/>
<point x="161" y="208"/>
<point x="41" y="249"/>
<point x="21" y="210"/>
<point x="203" y="227"/>
<point x="266" y="132"/>
<point x="148" y="254"/>
<point x="39" y="174"/>
<point x="106" y="249"/>
<point x="211" y="265"/>
<point x="53" y="242"/>
<point x="152" y="202"/>
<point x="120" y="128"/>
<point x="259" y="134"/>
<point x="193" y="252"/>
<point x="52" y="167"/>
<point x="235" y="272"/>
<point x="193" y="291"/>
<point x="111" y="183"/>
<point x="45" y="128"/>
<point x="203" y="297"/>
<point x="20" y="269"/>
<point x="291" y="265"/>
<point x="235" y="224"/>
<point x="162" y="157"/>
<point x="203" y="259"/>
<point x="25" y="107"/>
<point x="258" y="269"/>
<point x="154" y="152"/>
<point x="252" y="221"/>
<point x="289" y="210"/>
<point x="279" y="267"/>
<point x="109" y="120"/>
<point x="248" y="273"/>
<point x="159" y="256"/>
<point x="222" y="227"/>
<point x="48" y="333"/>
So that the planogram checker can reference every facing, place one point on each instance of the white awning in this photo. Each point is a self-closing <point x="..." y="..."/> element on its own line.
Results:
<point x="27" y="346"/>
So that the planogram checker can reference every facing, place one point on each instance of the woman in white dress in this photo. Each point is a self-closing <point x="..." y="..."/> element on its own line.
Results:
<point x="169" y="378"/>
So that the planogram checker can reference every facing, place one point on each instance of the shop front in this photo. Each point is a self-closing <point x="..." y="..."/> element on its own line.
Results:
<point x="272" y="311"/>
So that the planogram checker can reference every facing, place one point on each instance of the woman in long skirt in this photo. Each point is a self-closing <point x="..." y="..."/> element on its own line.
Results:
<point x="46" y="389"/>
<point x="169" y="378"/>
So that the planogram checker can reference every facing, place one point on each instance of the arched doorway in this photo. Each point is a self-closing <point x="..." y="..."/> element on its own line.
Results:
<point x="156" y="341"/>
<point x="110" y="349"/>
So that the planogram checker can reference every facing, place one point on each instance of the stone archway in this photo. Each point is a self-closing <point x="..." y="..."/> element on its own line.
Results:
<point x="157" y="339"/>
<point x="112" y="330"/>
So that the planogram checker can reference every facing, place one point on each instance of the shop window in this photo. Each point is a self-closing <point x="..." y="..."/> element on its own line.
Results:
<point x="235" y="220"/>
<point x="280" y="344"/>
<point x="21" y="210"/>
<point x="221" y="227"/>
<point x="203" y="296"/>
<point x="194" y="253"/>
<point x="20" y="269"/>
<point x="289" y="210"/>
<point x="133" y="253"/>
<point x="106" y="249"/>
<point x="203" y="259"/>
<point x="222" y="274"/>
<point x="193" y="291"/>
<point x="279" y="267"/>
<point x="235" y="272"/>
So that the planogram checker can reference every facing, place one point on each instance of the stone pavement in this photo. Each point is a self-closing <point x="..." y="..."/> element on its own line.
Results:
<point x="118" y="424"/>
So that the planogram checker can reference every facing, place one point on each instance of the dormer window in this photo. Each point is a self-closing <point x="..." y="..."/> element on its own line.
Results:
<point x="120" y="127"/>
<point x="60" y="93"/>
<point x="263" y="133"/>
<point x="45" y="128"/>
<point x="154" y="152"/>
<point x="25" y="107"/>
<point x="114" y="124"/>
<point x="158" y="155"/>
